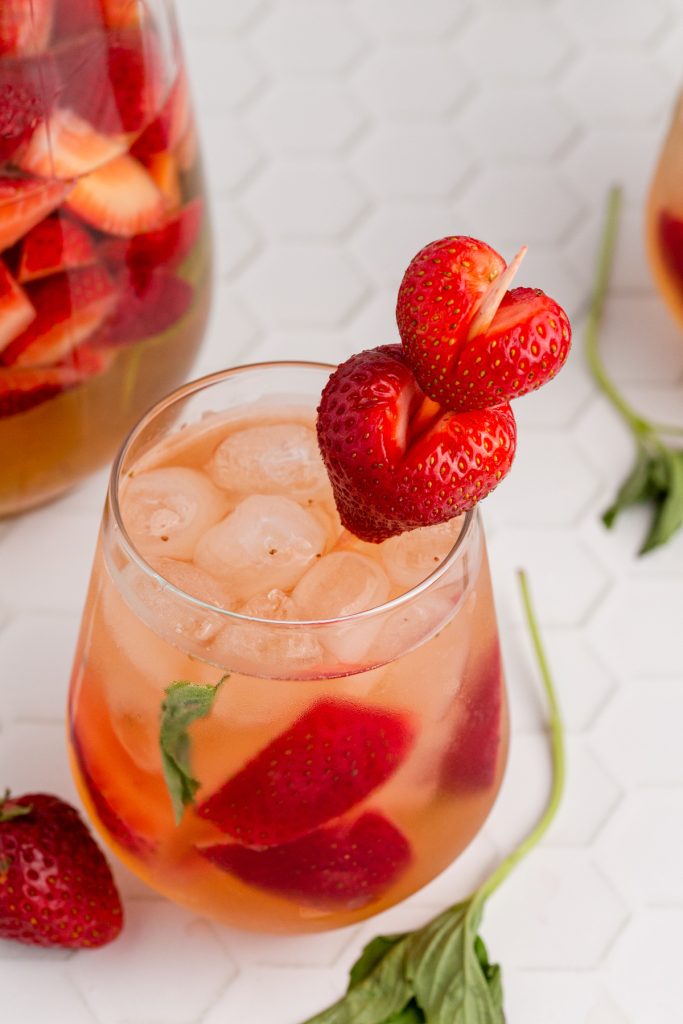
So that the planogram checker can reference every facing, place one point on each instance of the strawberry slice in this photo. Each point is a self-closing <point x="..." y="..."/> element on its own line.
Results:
<point x="326" y="762"/>
<point x="56" y="244"/>
<point x="20" y="114"/>
<point x="24" y="26"/>
<point x="23" y="203"/>
<point x="398" y="461"/>
<point x="671" y="243"/>
<point x="66" y="146"/>
<point x="165" y="173"/>
<point x="345" y="866"/>
<point x="22" y="389"/>
<point x="69" y="308"/>
<point x="472" y="757"/>
<point x="442" y="290"/>
<point x="149" y="305"/>
<point x="74" y="17"/>
<point x="166" y="247"/>
<point x="171" y="124"/>
<point x="119" y="198"/>
<point x="16" y="310"/>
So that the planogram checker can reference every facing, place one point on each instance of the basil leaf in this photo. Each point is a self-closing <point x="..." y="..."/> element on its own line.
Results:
<point x="184" y="703"/>
<point x="668" y="518"/>
<point x="371" y="956"/>
<point x="635" y="488"/>
<point x="436" y="975"/>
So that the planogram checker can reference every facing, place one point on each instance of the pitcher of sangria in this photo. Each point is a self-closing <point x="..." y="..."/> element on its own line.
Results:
<point x="664" y="219"/>
<point x="104" y="240"/>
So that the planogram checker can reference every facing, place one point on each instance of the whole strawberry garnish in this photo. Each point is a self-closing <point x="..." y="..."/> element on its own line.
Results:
<point x="56" y="888"/>
<point x="326" y="762"/>
<point x="343" y="866"/>
<point x="470" y="342"/>
<point x="395" y="459"/>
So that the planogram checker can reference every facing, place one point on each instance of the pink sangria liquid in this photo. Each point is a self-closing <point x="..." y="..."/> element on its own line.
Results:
<point x="104" y="242"/>
<point x="358" y="737"/>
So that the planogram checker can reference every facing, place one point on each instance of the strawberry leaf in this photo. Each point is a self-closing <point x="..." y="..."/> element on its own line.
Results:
<point x="185" y="703"/>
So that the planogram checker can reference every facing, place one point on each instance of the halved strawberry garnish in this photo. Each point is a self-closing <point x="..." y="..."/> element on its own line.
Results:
<point x="395" y="459"/>
<point x="16" y="311"/>
<point x="66" y="146"/>
<point x="69" y="308"/>
<point x="471" y="759"/>
<point x="57" y="243"/>
<point x="25" y="26"/>
<point x="326" y="762"/>
<point x="344" y="866"/>
<point x="146" y="307"/>
<point x="166" y="247"/>
<point x="24" y="202"/>
<point x="458" y="361"/>
<point x="119" y="198"/>
<point x="23" y="388"/>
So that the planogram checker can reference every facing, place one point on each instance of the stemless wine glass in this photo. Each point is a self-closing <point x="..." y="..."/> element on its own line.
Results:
<point x="104" y="239"/>
<point x="327" y="718"/>
<point x="664" y="217"/>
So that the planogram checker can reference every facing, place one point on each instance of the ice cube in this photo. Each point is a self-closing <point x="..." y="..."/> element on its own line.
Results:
<point x="281" y="458"/>
<point x="343" y="583"/>
<point x="267" y="542"/>
<point x="167" y="510"/>
<point x="410" y="557"/>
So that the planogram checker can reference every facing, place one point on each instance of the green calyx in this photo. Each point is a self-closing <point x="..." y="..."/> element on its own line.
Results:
<point x="656" y="476"/>
<point x="10" y="809"/>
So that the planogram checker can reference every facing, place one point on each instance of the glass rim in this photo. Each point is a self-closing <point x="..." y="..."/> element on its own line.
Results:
<point x="202" y="384"/>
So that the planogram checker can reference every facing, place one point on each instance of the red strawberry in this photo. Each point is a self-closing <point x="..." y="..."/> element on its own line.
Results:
<point x="69" y="308"/>
<point x="170" y="125"/>
<point x="55" y="244"/>
<point x="22" y="389"/>
<point x="455" y="363"/>
<point x="326" y="762"/>
<point x="56" y="888"/>
<point x="397" y="461"/>
<point x="111" y="821"/>
<point x="472" y="758"/>
<point x="149" y="304"/>
<point x="66" y="147"/>
<point x="24" y="202"/>
<point x="20" y="113"/>
<point x="165" y="247"/>
<point x="671" y="242"/>
<point x="74" y="17"/>
<point x="16" y="311"/>
<point x="119" y="198"/>
<point x="344" y="866"/>
<point x="24" y="26"/>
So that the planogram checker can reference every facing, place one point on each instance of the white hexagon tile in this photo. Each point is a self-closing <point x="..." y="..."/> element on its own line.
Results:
<point x="339" y="136"/>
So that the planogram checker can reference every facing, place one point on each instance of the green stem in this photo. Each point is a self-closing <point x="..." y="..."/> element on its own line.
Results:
<point x="558" y="755"/>
<point x="640" y="427"/>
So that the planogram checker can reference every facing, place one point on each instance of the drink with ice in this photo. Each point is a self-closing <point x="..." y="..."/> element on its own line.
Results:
<point x="355" y="731"/>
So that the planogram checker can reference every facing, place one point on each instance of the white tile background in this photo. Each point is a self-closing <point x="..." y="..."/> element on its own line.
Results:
<point x="340" y="136"/>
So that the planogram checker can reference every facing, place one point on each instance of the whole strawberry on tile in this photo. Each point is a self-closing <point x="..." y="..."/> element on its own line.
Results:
<point x="56" y="888"/>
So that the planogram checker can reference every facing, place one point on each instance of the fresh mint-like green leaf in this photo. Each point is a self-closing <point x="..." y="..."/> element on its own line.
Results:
<point x="635" y="488"/>
<point x="371" y="956"/>
<point x="668" y="518"/>
<point x="441" y="973"/>
<point x="184" y="703"/>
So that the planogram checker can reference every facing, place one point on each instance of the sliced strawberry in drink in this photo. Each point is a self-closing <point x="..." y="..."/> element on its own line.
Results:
<point x="146" y="307"/>
<point x="472" y="757"/>
<point x="16" y="310"/>
<point x="330" y="759"/>
<point x="397" y="460"/>
<point x="69" y="308"/>
<point x="20" y="114"/>
<point x="163" y="167"/>
<point x="57" y="243"/>
<point x="119" y="198"/>
<point x="24" y="388"/>
<point x="66" y="146"/>
<point x="167" y="129"/>
<point x="121" y="13"/>
<point x="23" y="203"/>
<point x="24" y="26"/>
<point x="344" y="866"/>
<point x="671" y="243"/>
<point x="166" y="247"/>
<point x="74" y="17"/>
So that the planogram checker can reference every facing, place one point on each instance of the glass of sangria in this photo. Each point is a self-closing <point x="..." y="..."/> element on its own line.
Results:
<point x="664" y="217"/>
<point x="104" y="239"/>
<point x="270" y="721"/>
